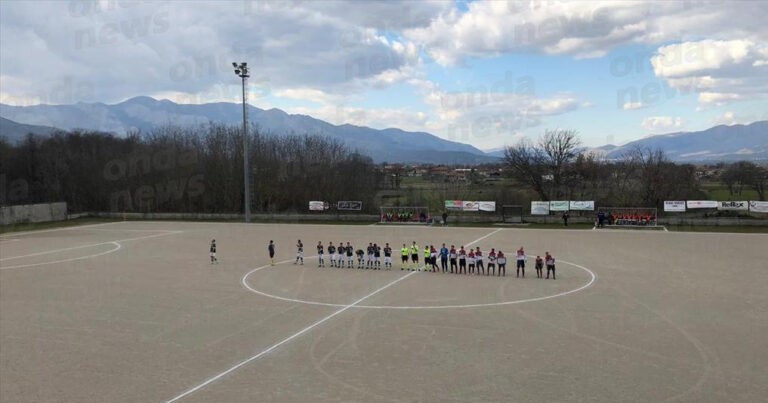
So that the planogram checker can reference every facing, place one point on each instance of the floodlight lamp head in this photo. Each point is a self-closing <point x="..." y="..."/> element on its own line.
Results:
<point x="234" y="64"/>
<point x="237" y="71"/>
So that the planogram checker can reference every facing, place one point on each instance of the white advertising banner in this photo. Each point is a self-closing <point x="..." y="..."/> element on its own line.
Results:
<point x="316" y="206"/>
<point x="487" y="205"/>
<point x="733" y="205"/>
<point x="558" y="205"/>
<point x="470" y="206"/>
<point x="583" y="205"/>
<point x="539" y="208"/>
<point x="677" y="206"/>
<point x="701" y="204"/>
<point x="758" y="206"/>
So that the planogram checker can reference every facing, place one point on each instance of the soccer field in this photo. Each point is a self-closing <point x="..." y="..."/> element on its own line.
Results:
<point x="134" y="311"/>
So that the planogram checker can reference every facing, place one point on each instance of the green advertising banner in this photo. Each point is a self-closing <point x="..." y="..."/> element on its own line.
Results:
<point x="454" y="205"/>
<point x="558" y="205"/>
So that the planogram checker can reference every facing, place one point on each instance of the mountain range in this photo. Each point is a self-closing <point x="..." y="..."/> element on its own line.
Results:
<point x="145" y="113"/>
<point x="719" y="143"/>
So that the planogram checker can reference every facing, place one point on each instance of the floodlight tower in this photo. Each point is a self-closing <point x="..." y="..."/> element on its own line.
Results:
<point x="241" y="70"/>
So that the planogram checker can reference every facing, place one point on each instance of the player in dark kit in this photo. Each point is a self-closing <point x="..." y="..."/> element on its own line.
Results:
<point x="452" y="256"/>
<point x="320" y="250"/>
<point x="271" y="249"/>
<point x="299" y="252"/>
<point x="213" y="252"/>
<point x="360" y="258"/>
<point x="377" y="257"/>
<point x="369" y="255"/>
<point x="341" y="250"/>
<point x="332" y="253"/>
<point x="350" y="253"/>
<point x="387" y="256"/>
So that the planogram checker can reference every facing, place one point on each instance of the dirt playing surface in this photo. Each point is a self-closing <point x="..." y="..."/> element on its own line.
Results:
<point x="134" y="311"/>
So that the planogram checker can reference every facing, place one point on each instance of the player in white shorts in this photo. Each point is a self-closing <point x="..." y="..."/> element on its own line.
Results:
<point x="299" y="252"/>
<point x="320" y="250"/>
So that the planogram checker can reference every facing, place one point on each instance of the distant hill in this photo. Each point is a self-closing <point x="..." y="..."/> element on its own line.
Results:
<point x="13" y="132"/>
<point x="719" y="143"/>
<point x="145" y="113"/>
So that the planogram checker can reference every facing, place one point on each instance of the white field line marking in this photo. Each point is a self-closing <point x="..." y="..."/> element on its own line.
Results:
<point x="592" y="279"/>
<point x="299" y="333"/>
<point x="118" y="246"/>
<point x="131" y="230"/>
<point x="286" y="340"/>
<point x="61" y="229"/>
<point x="89" y="245"/>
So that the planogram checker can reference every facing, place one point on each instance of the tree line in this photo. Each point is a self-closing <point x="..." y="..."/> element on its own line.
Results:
<point x="183" y="169"/>
<point x="200" y="170"/>
<point x="554" y="168"/>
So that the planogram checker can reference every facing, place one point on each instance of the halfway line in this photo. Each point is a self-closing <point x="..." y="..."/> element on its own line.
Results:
<point x="286" y="340"/>
<point x="302" y="331"/>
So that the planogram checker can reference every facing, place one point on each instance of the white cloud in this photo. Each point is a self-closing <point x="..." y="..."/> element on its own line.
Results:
<point x="720" y="71"/>
<point x="489" y="117"/>
<point x="728" y="118"/>
<point x="379" y="118"/>
<point x="633" y="105"/>
<point x="581" y="28"/>
<point x="311" y="94"/>
<point x="120" y="50"/>
<point x="662" y="124"/>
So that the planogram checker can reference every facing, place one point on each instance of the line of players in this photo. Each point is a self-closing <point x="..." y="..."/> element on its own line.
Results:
<point x="457" y="261"/>
<point x="344" y="255"/>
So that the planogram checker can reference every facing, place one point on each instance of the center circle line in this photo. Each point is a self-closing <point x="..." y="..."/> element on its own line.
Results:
<point x="593" y="278"/>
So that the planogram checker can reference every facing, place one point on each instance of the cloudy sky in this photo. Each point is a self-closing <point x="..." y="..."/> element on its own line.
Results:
<point x="485" y="73"/>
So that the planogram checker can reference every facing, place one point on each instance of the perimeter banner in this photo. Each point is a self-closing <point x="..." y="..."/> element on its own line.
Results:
<point x="583" y="205"/>
<point x="316" y="206"/>
<point x="487" y="205"/>
<point x="675" y="206"/>
<point x="733" y="205"/>
<point x="539" y="208"/>
<point x="471" y="206"/>
<point x="701" y="204"/>
<point x="349" y="205"/>
<point x="454" y="205"/>
<point x="558" y="205"/>
<point x="758" y="206"/>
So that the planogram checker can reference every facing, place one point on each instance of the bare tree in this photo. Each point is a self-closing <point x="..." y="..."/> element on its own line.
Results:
<point x="745" y="174"/>
<point x="527" y="164"/>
